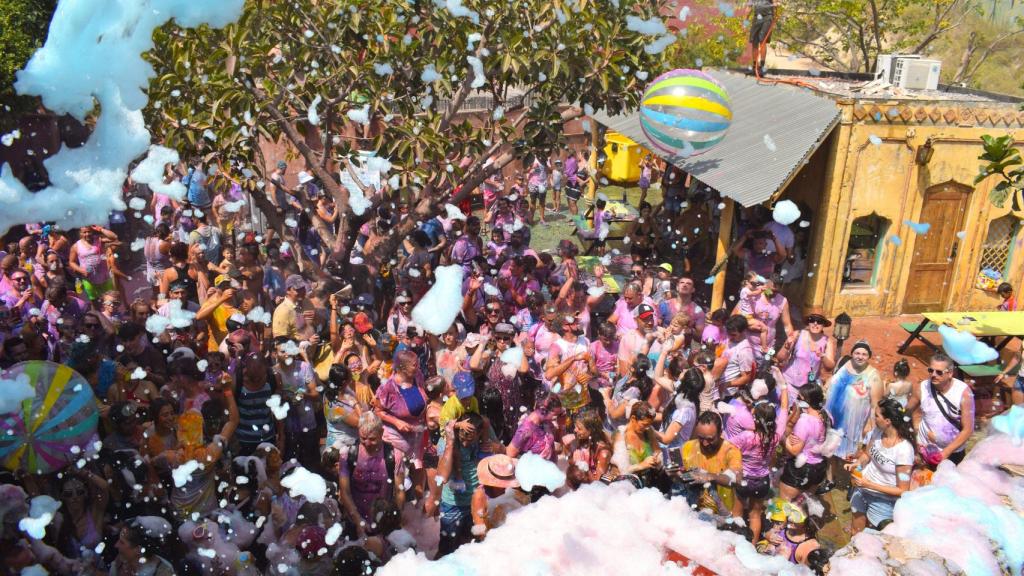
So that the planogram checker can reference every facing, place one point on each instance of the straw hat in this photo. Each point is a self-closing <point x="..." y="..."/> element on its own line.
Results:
<point x="498" y="471"/>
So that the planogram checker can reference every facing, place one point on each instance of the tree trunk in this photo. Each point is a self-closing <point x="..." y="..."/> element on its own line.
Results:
<point x="965" y="60"/>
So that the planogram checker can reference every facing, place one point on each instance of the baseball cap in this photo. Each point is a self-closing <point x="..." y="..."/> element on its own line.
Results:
<point x="225" y="281"/>
<point x="296" y="282"/>
<point x="403" y="296"/>
<point x="464" y="385"/>
<point x="504" y="328"/>
<point x="281" y="164"/>
<point x="644" y="311"/>
<point x="666" y="267"/>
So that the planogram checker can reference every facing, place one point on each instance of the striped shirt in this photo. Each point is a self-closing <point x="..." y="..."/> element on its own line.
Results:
<point x="255" y="421"/>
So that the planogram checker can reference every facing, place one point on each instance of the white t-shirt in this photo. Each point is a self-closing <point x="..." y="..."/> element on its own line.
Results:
<point x="881" y="468"/>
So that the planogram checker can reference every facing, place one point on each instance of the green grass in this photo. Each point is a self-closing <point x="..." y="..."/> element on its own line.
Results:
<point x="559" y="226"/>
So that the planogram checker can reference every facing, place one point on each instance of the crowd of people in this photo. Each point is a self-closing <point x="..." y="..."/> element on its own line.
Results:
<point x="245" y="359"/>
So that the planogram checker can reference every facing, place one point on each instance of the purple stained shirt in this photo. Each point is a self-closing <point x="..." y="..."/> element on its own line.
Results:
<point x="741" y="420"/>
<point x="767" y="311"/>
<point x="392" y="401"/>
<point x="756" y="461"/>
<point x="535" y="438"/>
<point x="464" y="250"/>
<point x="715" y="334"/>
<point x="811" y="430"/>
<point x="570" y="170"/>
<point x="369" y="481"/>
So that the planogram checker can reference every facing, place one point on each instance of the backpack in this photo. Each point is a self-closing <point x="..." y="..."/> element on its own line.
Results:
<point x="389" y="460"/>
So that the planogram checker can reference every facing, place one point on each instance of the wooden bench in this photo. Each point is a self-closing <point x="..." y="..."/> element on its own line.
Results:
<point x="982" y="370"/>
<point x="915" y="329"/>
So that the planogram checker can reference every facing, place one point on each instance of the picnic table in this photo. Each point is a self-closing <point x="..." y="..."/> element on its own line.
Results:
<point x="615" y="213"/>
<point x="995" y="325"/>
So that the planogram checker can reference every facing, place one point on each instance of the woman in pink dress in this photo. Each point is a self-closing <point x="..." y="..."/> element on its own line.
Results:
<point x="806" y="352"/>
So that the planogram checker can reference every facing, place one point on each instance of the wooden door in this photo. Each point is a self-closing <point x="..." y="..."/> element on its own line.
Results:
<point x="931" y="268"/>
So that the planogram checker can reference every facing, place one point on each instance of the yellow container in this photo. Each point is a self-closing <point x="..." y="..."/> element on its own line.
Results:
<point x="623" y="164"/>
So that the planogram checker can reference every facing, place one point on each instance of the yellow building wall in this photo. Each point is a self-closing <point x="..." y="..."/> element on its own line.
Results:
<point x="883" y="178"/>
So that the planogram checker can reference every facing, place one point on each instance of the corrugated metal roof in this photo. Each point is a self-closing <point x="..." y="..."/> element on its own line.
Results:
<point x="742" y="166"/>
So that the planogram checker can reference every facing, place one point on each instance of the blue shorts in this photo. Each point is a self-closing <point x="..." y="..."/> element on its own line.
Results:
<point x="1018" y="384"/>
<point x="456" y="528"/>
<point x="877" y="507"/>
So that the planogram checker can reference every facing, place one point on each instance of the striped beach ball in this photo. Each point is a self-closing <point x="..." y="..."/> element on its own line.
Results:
<point x="685" y="112"/>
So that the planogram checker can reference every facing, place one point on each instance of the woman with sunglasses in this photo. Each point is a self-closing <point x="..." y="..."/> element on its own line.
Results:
<point x="806" y="352"/>
<point x="506" y="379"/>
<point x="83" y="498"/>
<point x="400" y="317"/>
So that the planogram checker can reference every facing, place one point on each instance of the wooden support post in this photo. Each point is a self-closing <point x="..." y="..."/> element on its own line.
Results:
<point x="722" y="253"/>
<point x="592" y="162"/>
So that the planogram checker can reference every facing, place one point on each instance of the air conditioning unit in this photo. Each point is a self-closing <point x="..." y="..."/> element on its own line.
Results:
<point x="885" y="66"/>
<point x="917" y="74"/>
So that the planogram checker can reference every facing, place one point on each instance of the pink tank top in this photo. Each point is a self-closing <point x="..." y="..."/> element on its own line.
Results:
<point x="92" y="259"/>
<point x="804" y="361"/>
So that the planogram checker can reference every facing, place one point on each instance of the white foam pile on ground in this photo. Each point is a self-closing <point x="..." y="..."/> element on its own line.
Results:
<point x="72" y="73"/>
<point x="970" y="520"/>
<point x="438" y="308"/>
<point x="598" y="530"/>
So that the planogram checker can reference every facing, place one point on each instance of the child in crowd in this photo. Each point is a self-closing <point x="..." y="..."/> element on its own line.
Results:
<point x="900" y="387"/>
<point x="753" y="284"/>
<point x="714" y="335"/>
<point x="1009" y="303"/>
<point x="496" y="246"/>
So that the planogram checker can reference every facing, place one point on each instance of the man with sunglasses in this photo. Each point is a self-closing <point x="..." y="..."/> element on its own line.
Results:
<point x="570" y="366"/>
<point x="22" y="296"/>
<point x="494" y="314"/>
<point x="943" y="409"/>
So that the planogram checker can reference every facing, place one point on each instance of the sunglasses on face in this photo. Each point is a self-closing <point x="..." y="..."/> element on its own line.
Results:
<point x="937" y="372"/>
<point x="503" y="338"/>
<point x="815" y="321"/>
<point x="19" y="279"/>
<point x="494" y="310"/>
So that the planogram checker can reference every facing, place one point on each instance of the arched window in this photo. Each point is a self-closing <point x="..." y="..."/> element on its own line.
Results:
<point x="997" y="252"/>
<point x="864" y="251"/>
